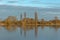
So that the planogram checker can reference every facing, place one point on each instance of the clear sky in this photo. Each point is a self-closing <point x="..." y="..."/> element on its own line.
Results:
<point x="33" y="3"/>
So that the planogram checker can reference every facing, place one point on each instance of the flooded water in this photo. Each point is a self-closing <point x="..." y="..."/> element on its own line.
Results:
<point x="46" y="33"/>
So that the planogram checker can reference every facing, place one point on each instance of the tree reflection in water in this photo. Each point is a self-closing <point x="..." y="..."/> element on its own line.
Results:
<point x="10" y="28"/>
<point x="26" y="28"/>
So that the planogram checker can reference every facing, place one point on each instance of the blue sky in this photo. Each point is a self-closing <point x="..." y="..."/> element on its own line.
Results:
<point x="33" y="3"/>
